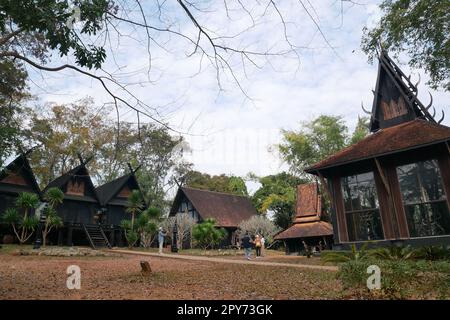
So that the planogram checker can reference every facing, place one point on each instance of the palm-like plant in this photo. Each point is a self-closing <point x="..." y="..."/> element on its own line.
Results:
<point x="134" y="205"/>
<point x="393" y="253"/>
<point x="25" y="201"/>
<point x="147" y="225"/>
<point x="344" y="256"/>
<point x="54" y="197"/>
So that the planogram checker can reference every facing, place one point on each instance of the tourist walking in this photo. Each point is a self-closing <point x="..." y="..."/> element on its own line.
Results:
<point x="258" y="246"/>
<point x="247" y="245"/>
<point x="161" y="235"/>
<point x="263" y="243"/>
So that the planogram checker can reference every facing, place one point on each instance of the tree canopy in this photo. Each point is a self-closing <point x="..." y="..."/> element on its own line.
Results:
<point x="219" y="183"/>
<point x="317" y="140"/>
<point x="421" y="29"/>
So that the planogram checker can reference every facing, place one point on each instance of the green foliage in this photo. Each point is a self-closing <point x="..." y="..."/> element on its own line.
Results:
<point x="125" y="224"/>
<point x="320" y="138"/>
<point x="393" y="253"/>
<point x="27" y="200"/>
<point x="344" y="256"/>
<point x="54" y="196"/>
<point x="52" y="220"/>
<point x="400" y="279"/>
<point x="418" y="27"/>
<point x="433" y="253"/>
<point x="29" y="222"/>
<point x="207" y="235"/>
<point x="220" y="183"/>
<point x="147" y="225"/>
<point x="11" y="216"/>
<point x="361" y="130"/>
<point x="49" y="18"/>
<point x="132" y="238"/>
<point x="277" y="194"/>
<point x="134" y="205"/>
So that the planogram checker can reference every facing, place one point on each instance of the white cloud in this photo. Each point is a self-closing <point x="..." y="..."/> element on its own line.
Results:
<point x="238" y="132"/>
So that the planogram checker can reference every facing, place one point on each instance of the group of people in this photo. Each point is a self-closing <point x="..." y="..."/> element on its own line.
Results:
<point x="248" y="243"/>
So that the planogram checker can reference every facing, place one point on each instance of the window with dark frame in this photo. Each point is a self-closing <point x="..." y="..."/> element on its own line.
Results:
<point x="424" y="199"/>
<point x="361" y="205"/>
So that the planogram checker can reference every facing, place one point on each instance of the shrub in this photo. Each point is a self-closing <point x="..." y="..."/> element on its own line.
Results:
<point x="207" y="235"/>
<point x="399" y="278"/>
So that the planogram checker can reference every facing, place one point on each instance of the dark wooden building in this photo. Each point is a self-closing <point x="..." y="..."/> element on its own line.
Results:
<point x="80" y="209"/>
<point x="394" y="185"/>
<point x="113" y="200"/>
<point x="15" y="178"/>
<point x="227" y="210"/>
<point x="307" y="226"/>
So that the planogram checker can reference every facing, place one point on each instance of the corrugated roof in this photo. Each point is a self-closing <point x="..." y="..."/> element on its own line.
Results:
<point x="227" y="210"/>
<point x="405" y="136"/>
<point x="306" y="230"/>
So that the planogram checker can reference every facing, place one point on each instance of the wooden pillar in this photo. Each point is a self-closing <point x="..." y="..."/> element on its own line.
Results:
<point x="111" y="237"/>
<point x="401" y="226"/>
<point x="386" y="206"/>
<point x="338" y="201"/>
<point x="69" y="236"/>
<point x="60" y="236"/>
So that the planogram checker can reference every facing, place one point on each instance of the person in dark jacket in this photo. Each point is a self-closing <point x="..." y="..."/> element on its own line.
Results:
<point x="247" y="245"/>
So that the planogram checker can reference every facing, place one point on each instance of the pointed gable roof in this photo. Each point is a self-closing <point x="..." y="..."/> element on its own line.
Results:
<point x="79" y="171"/>
<point x="108" y="191"/>
<point x="228" y="210"/>
<point x="307" y="221"/>
<point x="395" y="97"/>
<point x="20" y="166"/>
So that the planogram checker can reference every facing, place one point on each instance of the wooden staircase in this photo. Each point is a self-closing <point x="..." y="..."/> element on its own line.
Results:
<point x="96" y="236"/>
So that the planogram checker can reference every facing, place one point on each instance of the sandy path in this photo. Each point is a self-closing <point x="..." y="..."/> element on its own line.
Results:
<point x="222" y="260"/>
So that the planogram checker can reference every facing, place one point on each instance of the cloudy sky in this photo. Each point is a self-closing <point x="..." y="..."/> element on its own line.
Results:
<point x="231" y="127"/>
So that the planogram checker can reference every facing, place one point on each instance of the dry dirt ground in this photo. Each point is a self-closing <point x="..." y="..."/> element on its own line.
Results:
<point x="119" y="277"/>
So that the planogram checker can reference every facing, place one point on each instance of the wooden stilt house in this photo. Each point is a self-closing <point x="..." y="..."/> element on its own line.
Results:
<point x="80" y="209"/>
<point x="113" y="200"/>
<point x="15" y="178"/>
<point x="393" y="186"/>
<point x="307" y="227"/>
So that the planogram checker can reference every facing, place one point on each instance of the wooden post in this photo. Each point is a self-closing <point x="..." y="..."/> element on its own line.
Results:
<point x="111" y="237"/>
<point x="69" y="236"/>
<point x="145" y="268"/>
<point x="60" y="237"/>
<point x="383" y="177"/>
<point x="325" y="185"/>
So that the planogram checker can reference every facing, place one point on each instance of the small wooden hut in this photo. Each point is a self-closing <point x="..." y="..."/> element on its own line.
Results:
<point x="307" y="227"/>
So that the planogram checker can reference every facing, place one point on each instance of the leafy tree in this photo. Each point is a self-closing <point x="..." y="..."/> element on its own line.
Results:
<point x="147" y="225"/>
<point x="259" y="225"/>
<point x="218" y="183"/>
<point x="134" y="205"/>
<point x="277" y="194"/>
<point x="361" y="130"/>
<point x="421" y="29"/>
<point x="54" y="196"/>
<point x="23" y="225"/>
<point x="207" y="235"/>
<point x="320" y="138"/>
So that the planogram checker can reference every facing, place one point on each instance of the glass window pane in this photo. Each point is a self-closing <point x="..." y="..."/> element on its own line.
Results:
<point x="424" y="199"/>
<point x="364" y="226"/>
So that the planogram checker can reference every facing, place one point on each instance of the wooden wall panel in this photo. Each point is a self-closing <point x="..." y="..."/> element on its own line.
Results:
<point x="339" y="207"/>
<point x="401" y="224"/>
<point x="386" y="207"/>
